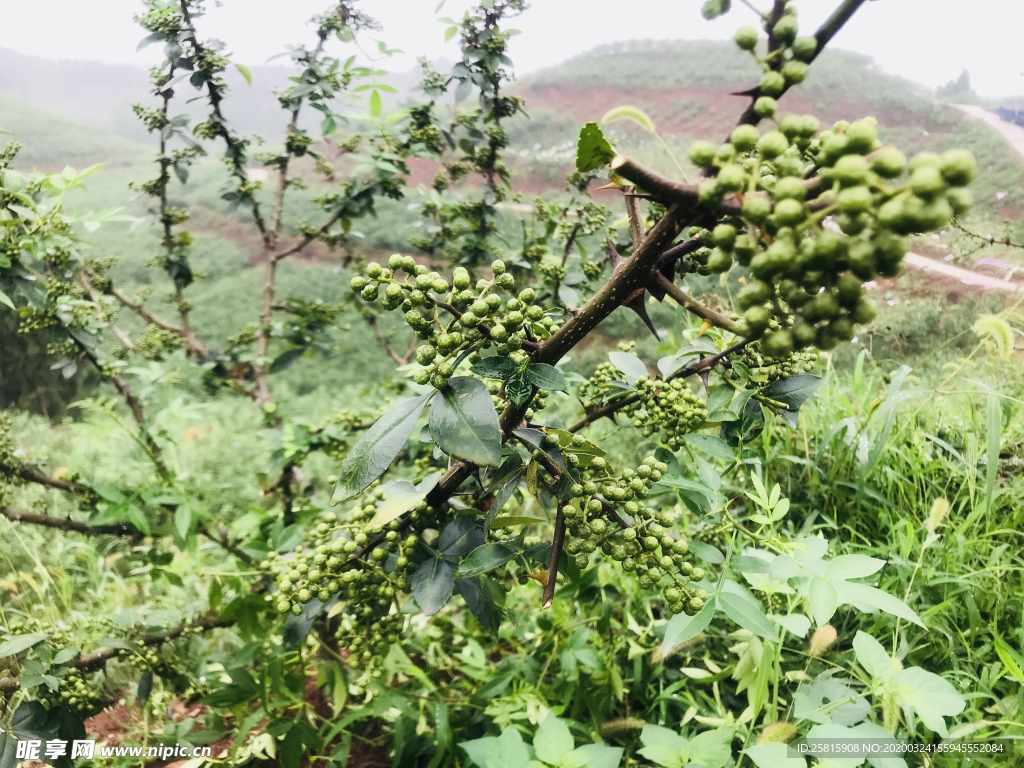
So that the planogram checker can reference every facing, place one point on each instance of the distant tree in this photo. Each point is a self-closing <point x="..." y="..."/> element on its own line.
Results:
<point x="962" y="85"/>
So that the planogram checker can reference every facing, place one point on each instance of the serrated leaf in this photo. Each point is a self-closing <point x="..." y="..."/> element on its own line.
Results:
<point x="545" y="376"/>
<point x="485" y="558"/>
<point x="592" y="149"/>
<point x="794" y="391"/>
<point x="518" y="388"/>
<point x="432" y="585"/>
<point x="460" y="537"/>
<point x="504" y="484"/>
<point x="538" y="440"/>
<point x="463" y="422"/>
<point x="495" y="367"/>
<point x="480" y="602"/>
<point x="377" y="448"/>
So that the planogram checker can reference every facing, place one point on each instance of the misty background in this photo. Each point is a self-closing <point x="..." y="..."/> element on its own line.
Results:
<point x="80" y="59"/>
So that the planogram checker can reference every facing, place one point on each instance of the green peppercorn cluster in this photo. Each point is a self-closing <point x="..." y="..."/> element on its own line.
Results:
<point x="482" y="319"/>
<point x="596" y="389"/>
<point x="786" y="65"/>
<point x="646" y="546"/>
<point x="669" y="406"/>
<point x="765" y="369"/>
<point x="366" y="568"/>
<point x="76" y="693"/>
<point x="807" y="271"/>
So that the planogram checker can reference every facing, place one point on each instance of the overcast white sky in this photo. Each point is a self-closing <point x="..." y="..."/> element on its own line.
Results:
<point x="929" y="41"/>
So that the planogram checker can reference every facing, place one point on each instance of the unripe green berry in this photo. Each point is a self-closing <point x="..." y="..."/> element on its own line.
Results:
<point x="746" y="38"/>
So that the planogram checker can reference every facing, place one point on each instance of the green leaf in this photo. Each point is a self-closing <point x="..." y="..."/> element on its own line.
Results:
<point x="432" y="585"/>
<point x="1005" y="654"/>
<point x="138" y="518"/>
<point x="20" y="643"/>
<point x="518" y="388"/>
<point x="244" y="71"/>
<point x="872" y="656"/>
<point x="853" y="567"/>
<point x="401" y="497"/>
<point x="538" y="440"/>
<point x="480" y="602"/>
<point x="707" y="552"/>
<point x="450" y="33"/>
<point x="712" y="749"/>
<point x="463" y="421"/>
<point x="824" y="600"/>
<point x="480" y="751"/>
<point x="632" y="114"/>
<point x="485" y="558"/>
<point x="682" y="627"/>
<point x="632" y="367"/>
<point x="286" y="358"/>
<point x="931" y="696"/>
<point x="711" y="445"/>
<point x="773" y="756"/>
<point x="862" y="595"/>
<point x="145" y="686"/>
<point x="375" y="103"/>
<point x="553" y="740"/>
<point x="506" y="480"/>
<point x="377" y="448"/>
<point x="747" y="615"/>
<point x="714" y="8"/>
<point x="663" y="746"/>
<point x="794" y="391"/>
<point x="183" y="520"/>
<point x="5" y="299"/>
<point x="505" y="522"/>
<point x="592" y="149"/>
<point x="460" y="537"/>
<point x="545" y="376"/>
<point x="596" y="756"/>
<point x="495" y="367"/>
<point x="505" y="751"/>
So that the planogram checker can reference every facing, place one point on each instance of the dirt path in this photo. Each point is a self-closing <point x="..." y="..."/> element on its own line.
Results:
<point x="1013" y="133"/>
<point x="965" y="276"/>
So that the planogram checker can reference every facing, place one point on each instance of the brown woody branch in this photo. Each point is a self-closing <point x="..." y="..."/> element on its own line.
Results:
<point x="557" y="542"/>
<point x="16" y="515"/>
<point x="31" y="474"/>
<point x="195" y="347"/>
<point x="692" y="305"/>
<point x="89" y="662"/>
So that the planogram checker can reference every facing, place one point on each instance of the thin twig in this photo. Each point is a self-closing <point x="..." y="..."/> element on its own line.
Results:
<point x="693" y="306"/>
<point x="557" y="542"/>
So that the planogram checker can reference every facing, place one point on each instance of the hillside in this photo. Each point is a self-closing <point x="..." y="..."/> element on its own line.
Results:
<point x="51" y="140"/>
